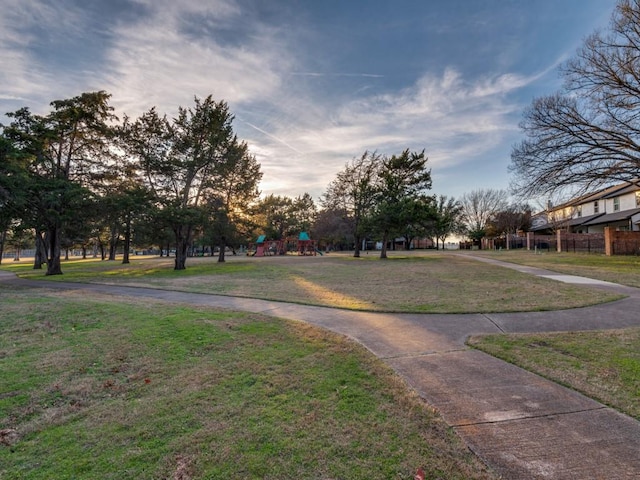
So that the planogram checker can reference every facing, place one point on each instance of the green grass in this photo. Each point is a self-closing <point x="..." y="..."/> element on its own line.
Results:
<point x="603" y="365"/>
<point x="434" y="282"/>
<point x="132" y="389"/>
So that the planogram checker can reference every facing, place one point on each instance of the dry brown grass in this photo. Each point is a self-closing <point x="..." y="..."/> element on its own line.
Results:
<point x="436" y="282"/>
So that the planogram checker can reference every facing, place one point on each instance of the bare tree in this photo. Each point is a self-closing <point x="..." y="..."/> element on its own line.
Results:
<point x="588" y="134"/>
<point x="478" y="209"/>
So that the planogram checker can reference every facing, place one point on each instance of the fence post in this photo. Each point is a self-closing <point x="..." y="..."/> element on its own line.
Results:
<point x="608" y="242"/>
<point x="559" y="241"/>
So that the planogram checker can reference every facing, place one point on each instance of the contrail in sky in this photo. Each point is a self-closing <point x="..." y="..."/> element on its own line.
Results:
<point x="275" y="138"/>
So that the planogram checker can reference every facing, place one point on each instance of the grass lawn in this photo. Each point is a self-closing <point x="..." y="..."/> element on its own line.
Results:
<point x="129" y="389"/>
<point x="603" y="365"/>
<point x="435" y="282"/>
<point x="621" y="269"/>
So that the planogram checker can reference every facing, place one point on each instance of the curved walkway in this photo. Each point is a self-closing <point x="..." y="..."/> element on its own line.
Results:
<point x="521" y="425"/>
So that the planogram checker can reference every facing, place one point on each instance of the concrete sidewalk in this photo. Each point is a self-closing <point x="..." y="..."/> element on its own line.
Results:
<point x="520" y="424"/>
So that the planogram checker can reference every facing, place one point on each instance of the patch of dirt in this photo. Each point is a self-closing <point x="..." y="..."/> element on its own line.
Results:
<point x="183" y="468"/>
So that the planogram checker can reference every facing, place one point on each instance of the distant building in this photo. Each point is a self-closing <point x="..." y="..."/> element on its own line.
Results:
<point x="617" y="207"/>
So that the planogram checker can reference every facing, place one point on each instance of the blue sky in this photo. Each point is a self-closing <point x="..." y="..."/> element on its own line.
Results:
<point x="312" y="83"/>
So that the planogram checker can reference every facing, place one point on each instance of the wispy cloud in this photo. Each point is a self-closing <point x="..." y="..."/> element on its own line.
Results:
<point x="156" y="60"/>
<point x="454" y="119"/>
<point x="321" y="74"/>
<point x="303" y="114"/>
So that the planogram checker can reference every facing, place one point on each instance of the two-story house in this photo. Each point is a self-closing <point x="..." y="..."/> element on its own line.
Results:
<point x="617" y="207"/>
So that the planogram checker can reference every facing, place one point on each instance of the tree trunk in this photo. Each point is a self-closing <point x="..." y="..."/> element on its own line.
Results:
<point x="3" y="238"/>
<point x="223" y="246"/>
<point x="113" y="244"/>
<point x="383" y="251"/>
<point x="41" y="252"/>
<point x="53" y="262"/>
<point x="127" y="242"/>
<point x="183" y="234"/>
<point x="356" y="251"/>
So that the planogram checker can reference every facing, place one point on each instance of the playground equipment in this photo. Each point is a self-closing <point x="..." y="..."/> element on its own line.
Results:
<point x="266" y="247"/>
<point x="304" y="245"/>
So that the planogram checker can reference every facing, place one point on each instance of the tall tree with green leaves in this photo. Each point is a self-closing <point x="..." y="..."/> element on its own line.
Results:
<point x="276" y="217"/>
<point x="181" y="160"/>
<point x="404" y="180"/>
<point x="233" y="193"/>
<point x="61" y="151"/>
<point x="447" y="219"/>
<point x="354" y="191"/>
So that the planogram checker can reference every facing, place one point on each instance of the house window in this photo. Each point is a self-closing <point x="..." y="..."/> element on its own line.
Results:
<point x="616" y="204"/>
<point x="596" y="207"/>
<point x="579" y="210"/>
<point x="638" y="199"/>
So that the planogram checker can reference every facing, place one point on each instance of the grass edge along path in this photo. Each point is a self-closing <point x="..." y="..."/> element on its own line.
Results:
<point x="621" y="269"/>
<point x="100" y="388"/>
<point x="604" y="365"/>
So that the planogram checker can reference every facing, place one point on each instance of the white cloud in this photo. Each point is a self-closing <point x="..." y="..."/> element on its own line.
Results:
<point x="166" y="52"/>
<point x="154" y="61"/>
<point x="453" y="119"/>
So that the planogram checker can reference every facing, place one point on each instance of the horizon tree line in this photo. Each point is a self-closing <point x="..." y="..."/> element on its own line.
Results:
<point x="81" y="177"/>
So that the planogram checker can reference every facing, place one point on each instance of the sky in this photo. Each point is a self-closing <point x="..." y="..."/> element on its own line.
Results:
<point x="311" y="83"/>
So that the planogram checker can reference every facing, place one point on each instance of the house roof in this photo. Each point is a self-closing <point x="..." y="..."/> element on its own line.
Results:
<point x="612" y="217"/>
<point x="629" y="188"/>
<point x="574" y="222"/>
<point x="606" y="192"/>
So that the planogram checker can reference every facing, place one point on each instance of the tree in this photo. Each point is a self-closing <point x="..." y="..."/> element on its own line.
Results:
<point x="508" y="221"/>
<point x="404" y="179"/>
<point x="60" y="153"/>
<point x="304" y="212"/>
<point x="334" y="229"/>
<point x="479" y="207"/>
<point x="10" y="191"/>
<point x="354" y="192"/>
<point x="588" y="134"/>
<point x="447" y="218"/>
<point x="276" y="212"/>
<point x="181" y="159"/>
<point x="234" y="190"/>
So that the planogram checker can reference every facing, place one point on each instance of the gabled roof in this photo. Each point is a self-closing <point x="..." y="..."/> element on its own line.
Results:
<point x="607" y="192"/>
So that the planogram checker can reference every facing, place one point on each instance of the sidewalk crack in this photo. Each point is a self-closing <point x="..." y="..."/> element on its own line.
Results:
<point x="529" y="417"/>
<point x="495" y="324"/>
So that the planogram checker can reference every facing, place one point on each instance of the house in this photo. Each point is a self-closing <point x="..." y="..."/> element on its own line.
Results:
<point x="617" y="207"/>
